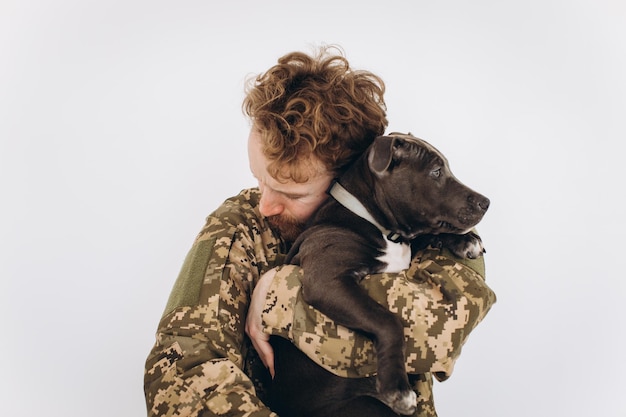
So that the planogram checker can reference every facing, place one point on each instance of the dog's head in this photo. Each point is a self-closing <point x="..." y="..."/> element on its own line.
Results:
<point x="416" y="190"/>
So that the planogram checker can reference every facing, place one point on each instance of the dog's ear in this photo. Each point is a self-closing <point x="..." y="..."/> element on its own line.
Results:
<point x="381" y="154"/>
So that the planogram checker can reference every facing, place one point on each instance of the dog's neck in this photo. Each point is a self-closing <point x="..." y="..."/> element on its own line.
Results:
<point x="349" y="201"/>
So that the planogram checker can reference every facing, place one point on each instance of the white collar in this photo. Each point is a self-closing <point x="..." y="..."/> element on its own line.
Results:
<point x="350" y="202"/>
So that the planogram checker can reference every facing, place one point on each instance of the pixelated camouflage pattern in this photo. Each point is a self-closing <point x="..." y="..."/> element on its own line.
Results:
<point x="202" y="364"/>
<point x="439" y="299"/>
<point x="196" y="367"/>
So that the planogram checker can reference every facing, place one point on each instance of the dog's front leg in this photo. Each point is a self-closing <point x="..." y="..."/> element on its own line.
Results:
<point x="344" y="301"/>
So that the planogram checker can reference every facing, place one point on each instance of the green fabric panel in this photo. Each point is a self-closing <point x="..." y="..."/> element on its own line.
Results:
<point x="186" y="291"/>
<point x="477" y="264"/>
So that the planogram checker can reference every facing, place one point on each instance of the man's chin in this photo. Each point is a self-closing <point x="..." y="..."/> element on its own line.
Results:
<point x="289" y="229"/>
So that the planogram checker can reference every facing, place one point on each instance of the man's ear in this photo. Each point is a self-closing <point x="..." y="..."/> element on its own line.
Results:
<point x="381" y="154"/>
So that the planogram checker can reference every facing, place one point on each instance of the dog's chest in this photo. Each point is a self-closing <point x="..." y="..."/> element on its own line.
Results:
<point x="396" y="255"/>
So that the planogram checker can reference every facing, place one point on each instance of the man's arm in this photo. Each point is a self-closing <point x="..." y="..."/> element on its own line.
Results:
<point x="196" y="367"/>
<point x="440" y="299"/>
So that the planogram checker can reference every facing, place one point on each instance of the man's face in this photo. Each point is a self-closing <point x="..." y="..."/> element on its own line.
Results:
<point x="287" y="204"/>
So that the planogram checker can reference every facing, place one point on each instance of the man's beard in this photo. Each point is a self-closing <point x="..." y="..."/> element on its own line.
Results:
<point x="288" y="227"/>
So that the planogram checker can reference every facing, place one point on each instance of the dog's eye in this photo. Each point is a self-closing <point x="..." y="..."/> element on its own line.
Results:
<point x="436" y="173"/>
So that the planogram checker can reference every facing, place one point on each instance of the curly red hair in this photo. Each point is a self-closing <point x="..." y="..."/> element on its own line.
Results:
<point x="315" y="106"/>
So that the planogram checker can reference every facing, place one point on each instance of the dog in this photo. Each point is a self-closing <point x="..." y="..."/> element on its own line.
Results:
<point x="399" y="196"/>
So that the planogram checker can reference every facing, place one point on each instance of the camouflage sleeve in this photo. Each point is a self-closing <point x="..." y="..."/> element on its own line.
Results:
<point x="440" y="299"/>
<point x="196" y="367"/>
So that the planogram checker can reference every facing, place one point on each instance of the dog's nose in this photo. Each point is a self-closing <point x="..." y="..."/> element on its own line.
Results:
<point x="481" y="201"/>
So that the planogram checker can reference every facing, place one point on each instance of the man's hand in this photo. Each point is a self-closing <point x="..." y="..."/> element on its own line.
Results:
<point x="254" y="324"/>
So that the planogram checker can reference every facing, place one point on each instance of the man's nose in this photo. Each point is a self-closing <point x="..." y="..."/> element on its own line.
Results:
<point x="270" y="204"/>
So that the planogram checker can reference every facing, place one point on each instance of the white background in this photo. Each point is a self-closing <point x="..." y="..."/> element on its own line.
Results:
<point x="121" y="129"/>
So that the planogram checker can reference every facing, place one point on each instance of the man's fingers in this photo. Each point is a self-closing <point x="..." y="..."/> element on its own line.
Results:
<point x="264" y="348"/>
<point x="254" y="322"/>
<point x="260" y="341"/>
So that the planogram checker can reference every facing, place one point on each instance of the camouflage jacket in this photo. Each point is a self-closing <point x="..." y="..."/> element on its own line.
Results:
<point x="202" y="363"/>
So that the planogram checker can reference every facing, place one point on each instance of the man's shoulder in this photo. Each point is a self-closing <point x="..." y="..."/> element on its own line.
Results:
<point x="243" y="205"/>
<point x="235" y="212"/>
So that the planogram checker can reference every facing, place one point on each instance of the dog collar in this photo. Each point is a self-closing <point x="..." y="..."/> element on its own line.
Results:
<point x="350" y="202"/>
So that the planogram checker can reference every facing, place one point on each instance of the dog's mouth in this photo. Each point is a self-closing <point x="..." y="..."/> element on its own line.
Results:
<point x="446" y="226"/>
<point x="443" y="226"/>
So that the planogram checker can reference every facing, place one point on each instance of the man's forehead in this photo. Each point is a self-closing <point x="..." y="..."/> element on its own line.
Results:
<point x="302" y="169"/>
<point x="308" y="169"/>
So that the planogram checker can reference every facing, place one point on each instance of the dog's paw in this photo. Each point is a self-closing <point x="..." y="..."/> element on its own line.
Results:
<point x="402" y="402"/>
<point x="468" y="245"/>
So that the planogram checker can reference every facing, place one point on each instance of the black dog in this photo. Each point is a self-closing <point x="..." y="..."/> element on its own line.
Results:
<point x="399" y="193"/>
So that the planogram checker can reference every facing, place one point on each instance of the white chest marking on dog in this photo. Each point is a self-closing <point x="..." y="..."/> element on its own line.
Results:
<point x="397" y="256"/>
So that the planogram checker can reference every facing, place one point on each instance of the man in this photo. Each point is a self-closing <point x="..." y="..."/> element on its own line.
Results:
<point x="311" y="117"/>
